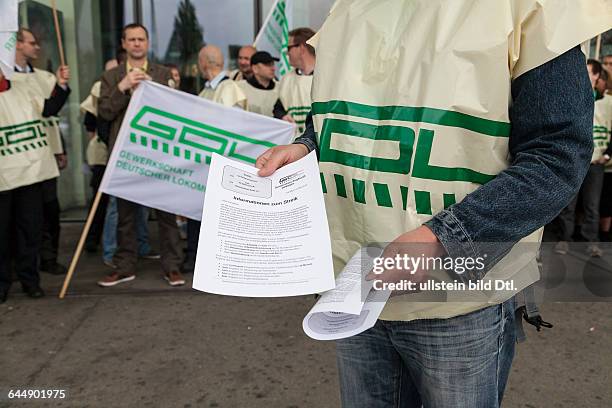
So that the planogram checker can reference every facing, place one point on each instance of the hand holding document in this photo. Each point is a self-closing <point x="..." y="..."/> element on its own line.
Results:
<point x="352" y="307"/>
<point x="264" y="236"/>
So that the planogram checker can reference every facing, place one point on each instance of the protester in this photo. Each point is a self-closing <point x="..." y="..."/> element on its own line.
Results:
<point x="592" y="184"/>
<point x="97" y="157"/>
<point x="116" y="89"/>
<point x="218" y="87"/>
<point x="294" y="100"/>
<point x="25" y="164"/>
<point x="221" y="89"/>
<point x="26" y="51"/>
<point x="261" y="89"/>
<point x="602" y="127"/>
<point x="244" y="70"/>
<point x="501" y="126"/>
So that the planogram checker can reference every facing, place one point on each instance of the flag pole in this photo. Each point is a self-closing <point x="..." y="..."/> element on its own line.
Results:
<point x="81" y="244"/>
<point x="265" y="23"/>
<point x="58" y="34"/>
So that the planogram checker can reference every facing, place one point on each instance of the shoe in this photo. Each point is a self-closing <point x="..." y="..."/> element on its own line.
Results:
<point x="115" y="278"/>
<point x="35" y="292"/>
<point x="594" y="251"/>
<point x="174" y="278"/>
<point x="562" y="247"/>
<point x="110" y="264"/>
<point x="151" y="255"/>
<point x="53" y="268"/>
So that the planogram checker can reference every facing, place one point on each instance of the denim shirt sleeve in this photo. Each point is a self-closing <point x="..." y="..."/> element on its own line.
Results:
<point x="308" y="138"/>
<point x="550" y="146"/>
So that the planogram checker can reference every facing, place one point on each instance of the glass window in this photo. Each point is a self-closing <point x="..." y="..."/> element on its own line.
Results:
<point x="306" y="13"/>
<point x="179" y="28"/>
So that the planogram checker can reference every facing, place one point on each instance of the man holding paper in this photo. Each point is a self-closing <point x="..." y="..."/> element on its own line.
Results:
<point x="412" y="151"/>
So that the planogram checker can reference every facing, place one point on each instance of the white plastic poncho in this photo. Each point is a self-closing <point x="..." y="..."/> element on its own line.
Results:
<point x="25" y="153"/>
<point x="97" y="151"/>
<point x="410" y="104"/>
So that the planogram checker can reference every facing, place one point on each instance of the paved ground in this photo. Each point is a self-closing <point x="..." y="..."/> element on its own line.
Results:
<point x="146" y="344"/>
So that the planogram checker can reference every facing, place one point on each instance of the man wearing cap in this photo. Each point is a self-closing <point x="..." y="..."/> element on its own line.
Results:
<point x="260" y="89"/>
<point x="244" y="70"/>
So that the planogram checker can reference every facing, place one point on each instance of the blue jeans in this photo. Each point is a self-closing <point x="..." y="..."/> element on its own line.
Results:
<point x="460" y="362"/>
<point x="109" y="237"/>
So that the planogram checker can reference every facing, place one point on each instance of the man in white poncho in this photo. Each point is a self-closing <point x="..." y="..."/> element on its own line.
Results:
<point x="26" y="161"/>
<point x="433" y="121"/>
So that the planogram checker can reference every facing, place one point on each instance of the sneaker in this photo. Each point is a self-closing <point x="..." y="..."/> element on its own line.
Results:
<point x="110" y="264"/>
<point x="594" y="251"/>
<point x="174" y="278"/>
<point x="115" y="278"/>
<point x="562" y="247"/>
<point x="151" y="255"/>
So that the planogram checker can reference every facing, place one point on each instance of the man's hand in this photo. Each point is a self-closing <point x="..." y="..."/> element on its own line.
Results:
<point x="288" y="118"/>
<point x="132" y="80"/>
<point x="62" y="161"/>
<point x="63" y="75"/>
<point x="603" y="159"/>
<point x="417" y="243"/>
<point x="278" y="156"/>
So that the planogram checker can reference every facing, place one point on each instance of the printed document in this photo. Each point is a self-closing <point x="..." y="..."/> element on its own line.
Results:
<point x="264" y="236"/>
<point x="352" y="307"/>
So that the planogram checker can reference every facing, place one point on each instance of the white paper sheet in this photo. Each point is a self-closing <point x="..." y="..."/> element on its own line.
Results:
<point x="337" y="325"/>
<point x="264" y="236"/>
<point x="346" y="311"/>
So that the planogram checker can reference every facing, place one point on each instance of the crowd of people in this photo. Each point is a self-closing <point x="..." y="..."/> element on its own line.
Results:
<point x="596" y="190"/>
<point x="120" y="228"/>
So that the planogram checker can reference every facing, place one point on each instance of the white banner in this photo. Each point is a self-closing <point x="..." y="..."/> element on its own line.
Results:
<point x="9" y="24"/>
<point x="274" y="34"/>
<point x="162" y="154"/>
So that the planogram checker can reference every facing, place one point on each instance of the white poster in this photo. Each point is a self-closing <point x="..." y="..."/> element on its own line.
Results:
<point x="163" y="151"/>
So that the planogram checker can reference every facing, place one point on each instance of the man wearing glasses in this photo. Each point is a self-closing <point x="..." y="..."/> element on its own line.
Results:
<point x="294" y="100"/>
<point x="54" y="89"/>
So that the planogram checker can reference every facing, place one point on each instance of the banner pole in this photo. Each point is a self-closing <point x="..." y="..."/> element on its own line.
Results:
<point x="81" y="244"/>
<point x="265" y="23"/>
<point x="58" y="34"/>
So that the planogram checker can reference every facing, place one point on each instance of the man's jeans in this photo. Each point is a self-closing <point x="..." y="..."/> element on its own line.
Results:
<point x="461" y="362"/>
<point x="591" y="194"/>
<point x="109" y="237"/>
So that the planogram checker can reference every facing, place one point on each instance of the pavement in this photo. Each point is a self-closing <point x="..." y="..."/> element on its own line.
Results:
<point x="145" y="344"/>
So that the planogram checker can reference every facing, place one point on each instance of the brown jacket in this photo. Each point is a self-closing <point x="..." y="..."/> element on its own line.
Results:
<point x="113" y="103"/>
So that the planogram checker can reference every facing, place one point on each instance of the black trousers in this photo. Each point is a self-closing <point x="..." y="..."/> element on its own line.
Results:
<point x="97" y="226"/>
<point x="20" y="234"/>
<point x="193" y="236"/>
<point x="51" y="222"/>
